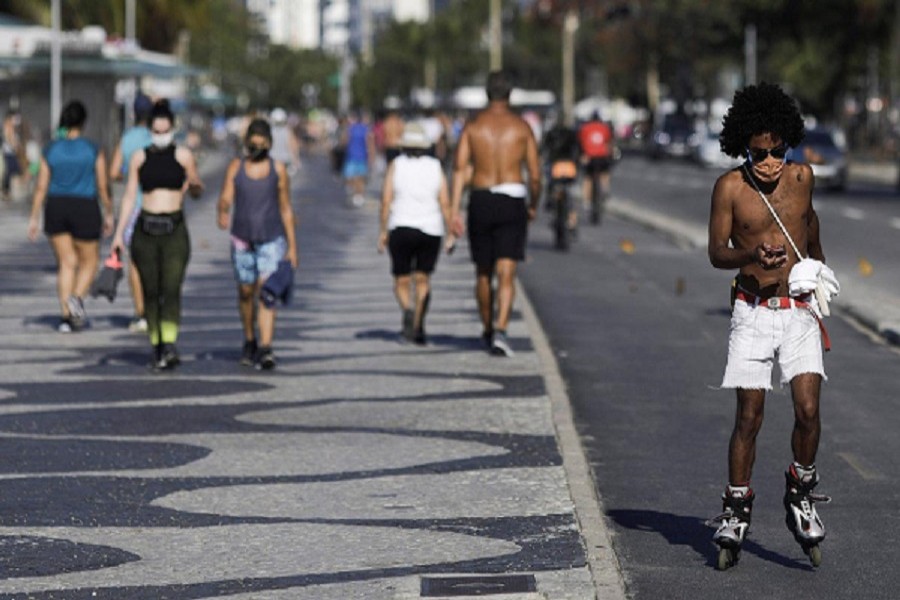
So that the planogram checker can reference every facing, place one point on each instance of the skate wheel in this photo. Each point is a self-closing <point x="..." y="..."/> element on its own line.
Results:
<point x="815" y="555"/>
<point x="727" y="558"/>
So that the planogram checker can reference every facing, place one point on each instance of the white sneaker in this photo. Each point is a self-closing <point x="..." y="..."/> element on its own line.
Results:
<point x="500" y="345"/>
<point x="358" y="200"/>
<point x="77" y="316"/>
<point x="138" y="325"/>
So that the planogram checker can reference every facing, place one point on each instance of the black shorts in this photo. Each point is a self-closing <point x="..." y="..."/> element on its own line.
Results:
<point x="498" y="227"/>
<point x="413" y="250"/>
<point x="598" y="165"/>
<point x="77" y="216"/>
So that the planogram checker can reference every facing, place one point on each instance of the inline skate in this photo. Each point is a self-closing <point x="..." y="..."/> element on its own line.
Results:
<point x="801" y="517"/>
<point x="732" y="525"/>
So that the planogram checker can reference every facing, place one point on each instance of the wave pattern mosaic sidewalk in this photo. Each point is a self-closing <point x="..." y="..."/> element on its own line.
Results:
<point x="354" y="469"/>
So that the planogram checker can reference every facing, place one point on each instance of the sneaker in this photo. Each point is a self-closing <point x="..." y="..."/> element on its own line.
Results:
<point x="138" y="325"/>
<point x="487" y="338"/>
<point x="419" y="337"/>
<point x="77" y="316"/>
<point x="358" y="200"/>
<point x="500" y="345"/>
<point x="168" y="358"/>
<point x="65" y="326"/>
<point x="265" y="359"/>
<point x="248" y="353"/>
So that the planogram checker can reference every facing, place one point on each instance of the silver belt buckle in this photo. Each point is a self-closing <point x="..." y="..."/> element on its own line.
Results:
<point x="773" y="303"/>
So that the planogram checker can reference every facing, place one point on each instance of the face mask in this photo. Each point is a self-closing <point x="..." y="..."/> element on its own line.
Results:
<point x="257" y="153"/>
<point x="162" y="140"/>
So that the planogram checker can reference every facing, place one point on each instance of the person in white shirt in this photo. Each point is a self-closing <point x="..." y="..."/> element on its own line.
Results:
<point x="415" y="213"/>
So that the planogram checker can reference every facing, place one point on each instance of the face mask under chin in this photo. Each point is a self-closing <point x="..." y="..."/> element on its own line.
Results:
<point x="162" y="140"/>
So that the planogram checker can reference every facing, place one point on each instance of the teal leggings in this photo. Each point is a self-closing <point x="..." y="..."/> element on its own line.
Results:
<point x="161" y="261"/>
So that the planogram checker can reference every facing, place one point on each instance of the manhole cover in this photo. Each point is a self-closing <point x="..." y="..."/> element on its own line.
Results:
<point x="477" y="585"/>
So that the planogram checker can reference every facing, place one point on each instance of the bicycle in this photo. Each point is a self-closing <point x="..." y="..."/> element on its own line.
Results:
<point x="562" y="173"/>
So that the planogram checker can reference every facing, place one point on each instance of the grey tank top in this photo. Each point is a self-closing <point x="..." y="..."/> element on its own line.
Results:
<point x="257" y="218"/>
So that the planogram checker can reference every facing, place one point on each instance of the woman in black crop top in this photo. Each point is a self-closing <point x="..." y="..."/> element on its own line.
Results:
<point x="160" y="246"/>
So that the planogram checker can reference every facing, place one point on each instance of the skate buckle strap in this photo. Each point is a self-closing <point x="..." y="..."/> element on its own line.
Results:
<point x="784" y="302"/>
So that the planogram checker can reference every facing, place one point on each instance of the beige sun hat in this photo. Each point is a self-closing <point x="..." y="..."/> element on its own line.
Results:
<point x="414" y="136"/>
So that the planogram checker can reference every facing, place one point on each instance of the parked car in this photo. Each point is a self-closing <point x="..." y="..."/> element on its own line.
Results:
<point x="676" y="138"/>
<point x="709" y="154"/>
<point x="825" y="150"/>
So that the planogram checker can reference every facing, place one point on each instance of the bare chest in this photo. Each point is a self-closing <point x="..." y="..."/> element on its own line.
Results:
<point x="752" y="216"/>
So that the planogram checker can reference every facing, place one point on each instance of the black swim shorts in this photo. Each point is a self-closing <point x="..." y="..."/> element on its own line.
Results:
<point x="598" y="164"/>
<point x="498" y="227"/>
<point x="77" y="216"/>
<point x="413" y="250"/>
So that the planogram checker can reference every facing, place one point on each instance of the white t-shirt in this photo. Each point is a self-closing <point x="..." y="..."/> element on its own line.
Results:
<point x="417" y="185"/>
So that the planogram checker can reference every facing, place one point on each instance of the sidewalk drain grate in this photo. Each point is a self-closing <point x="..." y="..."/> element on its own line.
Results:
<point x="477" y="585"/>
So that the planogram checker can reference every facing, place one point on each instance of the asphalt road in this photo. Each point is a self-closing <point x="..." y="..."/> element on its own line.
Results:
<point x="639" y="326"/>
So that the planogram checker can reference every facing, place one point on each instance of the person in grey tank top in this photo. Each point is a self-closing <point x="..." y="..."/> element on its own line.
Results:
<point x="255" y="203"/>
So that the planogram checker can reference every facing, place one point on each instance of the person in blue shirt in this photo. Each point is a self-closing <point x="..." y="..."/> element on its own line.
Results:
<point x="71" y="178"/>
<point x="359" y="144"/>
<point x="135" y="138"/>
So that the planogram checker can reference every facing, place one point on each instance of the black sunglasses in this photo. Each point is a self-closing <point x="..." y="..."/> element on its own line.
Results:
<point x="760" y="154"/>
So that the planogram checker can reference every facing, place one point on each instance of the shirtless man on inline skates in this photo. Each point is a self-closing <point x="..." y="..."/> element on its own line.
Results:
<point x="768" y="324"/>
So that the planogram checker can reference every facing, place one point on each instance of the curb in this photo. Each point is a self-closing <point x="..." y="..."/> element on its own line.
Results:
<point x="602" y="561"/>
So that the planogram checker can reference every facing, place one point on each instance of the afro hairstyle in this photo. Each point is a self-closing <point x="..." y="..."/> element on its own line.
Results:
<point x="757" y="109"/>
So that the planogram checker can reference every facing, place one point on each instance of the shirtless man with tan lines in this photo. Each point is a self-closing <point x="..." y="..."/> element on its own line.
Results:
<point x="493" y="147"/>
<point x="772" y="321"/>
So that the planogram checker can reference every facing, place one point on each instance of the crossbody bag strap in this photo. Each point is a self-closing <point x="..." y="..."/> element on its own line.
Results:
<point x="774" y="214"/>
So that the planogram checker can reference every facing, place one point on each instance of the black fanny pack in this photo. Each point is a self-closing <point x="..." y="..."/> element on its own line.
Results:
<point x="165" y="224"/>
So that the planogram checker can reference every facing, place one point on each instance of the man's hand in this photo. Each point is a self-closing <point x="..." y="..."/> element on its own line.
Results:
<point x="382" y="241"/>
<point x="457" y="225"/>
<point x="770" y="256"/>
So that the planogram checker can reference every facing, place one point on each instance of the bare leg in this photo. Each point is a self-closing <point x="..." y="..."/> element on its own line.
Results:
<point x="485" y="297"/>
<point x="88" y="253"/>
<point x="805" y="390"/>
<point x="506" y="290"/>
<point x="401" y="290"/>
<point x="266" y="318"/>
<point x="66" y="263"/>
<point x="246" y="294"/>
<point x="423" y="288"/>
<point x="747" y="423"/>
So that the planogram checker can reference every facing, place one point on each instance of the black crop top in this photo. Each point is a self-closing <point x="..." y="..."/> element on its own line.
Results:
<point x="160" y="170"/>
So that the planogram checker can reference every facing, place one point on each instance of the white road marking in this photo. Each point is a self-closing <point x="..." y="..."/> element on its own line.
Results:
<point x="895" y="222"/>
<point x="854" y="213"/>
<point x="856" y="464"/>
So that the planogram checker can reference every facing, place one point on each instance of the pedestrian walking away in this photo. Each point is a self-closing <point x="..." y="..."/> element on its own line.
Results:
<point x="15" y="162"/>
<point x="762" y="222"/>
<point x="492" y="151"/>
<point x="135" y="138"/>
<point x="359" y="154"/>
<point x="160" y="245"/>
<point x="71" y="178"/>
<point x="415" y="214"/>
<point x="262" y="223"/>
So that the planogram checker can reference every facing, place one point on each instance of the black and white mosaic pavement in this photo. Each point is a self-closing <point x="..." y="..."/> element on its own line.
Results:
<point x="356" y="467"/>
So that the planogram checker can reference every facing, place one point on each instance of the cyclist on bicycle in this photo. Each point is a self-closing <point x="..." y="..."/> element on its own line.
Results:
<point x="597" y="150"/>
<point x="561" y="151"/>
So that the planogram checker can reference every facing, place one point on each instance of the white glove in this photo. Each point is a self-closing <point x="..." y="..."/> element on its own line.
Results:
<point x="829" y="281"/>
<point x="804" y="276"/>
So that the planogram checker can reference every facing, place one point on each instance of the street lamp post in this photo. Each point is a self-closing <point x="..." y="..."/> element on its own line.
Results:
<point x="55" y="64"/>
<point x="496" y="36"/>
<point x="570" y="26"/>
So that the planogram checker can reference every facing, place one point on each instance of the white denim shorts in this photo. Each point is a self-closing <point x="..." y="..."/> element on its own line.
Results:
<point x="760" y="334"/>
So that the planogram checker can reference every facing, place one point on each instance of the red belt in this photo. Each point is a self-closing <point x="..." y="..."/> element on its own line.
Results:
<point x="781" y="302"/>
